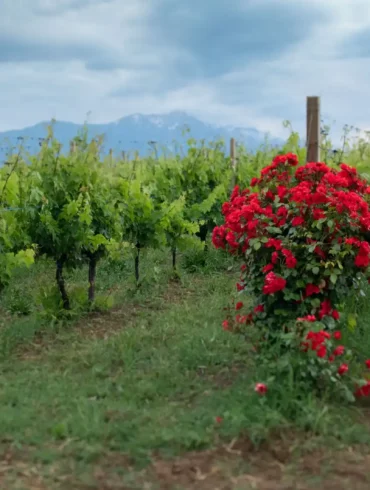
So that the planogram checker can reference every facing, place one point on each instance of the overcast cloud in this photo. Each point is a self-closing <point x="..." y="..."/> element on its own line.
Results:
<point x="242" y="62"/>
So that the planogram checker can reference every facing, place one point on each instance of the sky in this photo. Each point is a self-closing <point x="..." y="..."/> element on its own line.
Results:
<point x="248" y="63"/>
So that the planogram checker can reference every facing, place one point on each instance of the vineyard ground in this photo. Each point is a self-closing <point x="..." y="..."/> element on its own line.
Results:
<point x="153" y="394"/>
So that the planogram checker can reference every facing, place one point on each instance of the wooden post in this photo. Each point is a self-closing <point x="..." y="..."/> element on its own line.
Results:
<point x="72" y="147"/>
<point x="313" y="129"/>
<point x="124" y="156"/>
<point x="110" y="156"/>
<point x="233" y="161"/>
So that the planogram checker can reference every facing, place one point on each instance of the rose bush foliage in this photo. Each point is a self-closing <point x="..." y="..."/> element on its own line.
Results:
<point x="302" y="233"/>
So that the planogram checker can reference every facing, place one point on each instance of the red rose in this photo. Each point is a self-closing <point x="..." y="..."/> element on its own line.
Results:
<point x="308" y="318"/>
<point x="343" y="368"/>
<point x="297" y="221"/>
<point x="338" y="351"/>
<point x="321" y="350"/>
<point x="311" y="289"/>
<point x="363" y="390"/>
<point x="335" y="314"/>
<point x="225" y="325"/>
<point x="273" y="283"/>
<point x="260" y="388"/>
<point x="268" y="268"/>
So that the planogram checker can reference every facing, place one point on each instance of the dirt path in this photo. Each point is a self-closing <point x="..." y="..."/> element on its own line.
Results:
<point x="236" y="466"/>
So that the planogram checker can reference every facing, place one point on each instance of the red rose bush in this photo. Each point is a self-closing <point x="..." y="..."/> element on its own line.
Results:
<point x="301" y="232"/>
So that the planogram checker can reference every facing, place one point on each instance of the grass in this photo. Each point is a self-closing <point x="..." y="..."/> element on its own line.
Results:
<point x="112" y="398"/>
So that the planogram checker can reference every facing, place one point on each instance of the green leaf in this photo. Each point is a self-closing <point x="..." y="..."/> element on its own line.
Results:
<point x="316" y="270"/>
<point x="281" y="312"/>
<point x="315" y="302"/>
<point x="351" y="321"/>
<point x="333" y="278"/>
<point x="274" y="229"/>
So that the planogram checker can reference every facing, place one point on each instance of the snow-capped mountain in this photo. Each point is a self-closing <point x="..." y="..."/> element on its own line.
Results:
<point x="137" y="132"/>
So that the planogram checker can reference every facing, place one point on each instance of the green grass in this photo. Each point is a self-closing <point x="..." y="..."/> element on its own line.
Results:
<point x="149" y="377"/>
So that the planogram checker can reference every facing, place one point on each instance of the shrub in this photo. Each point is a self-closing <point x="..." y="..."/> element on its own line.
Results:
<point x="303" y="237"/>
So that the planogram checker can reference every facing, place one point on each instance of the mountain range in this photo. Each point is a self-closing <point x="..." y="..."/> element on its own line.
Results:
<point x="132" y="133"/>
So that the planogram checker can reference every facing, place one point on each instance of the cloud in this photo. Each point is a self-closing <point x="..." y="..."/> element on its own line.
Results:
<point x="192" y="38"/>
<point x="47" y="7"/>
<point x="357" y="45"/>
<point x="94" y="32"/>
<point x="16" y="49"/>
<point x="241" y="62"/>
<point x="222" y="36"/>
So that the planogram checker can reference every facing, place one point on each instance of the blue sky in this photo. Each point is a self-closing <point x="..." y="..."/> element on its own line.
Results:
<point x="235" y="62"/>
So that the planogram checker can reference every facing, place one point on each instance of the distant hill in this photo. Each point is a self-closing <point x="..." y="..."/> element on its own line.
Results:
<point x="133" y="133"/>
